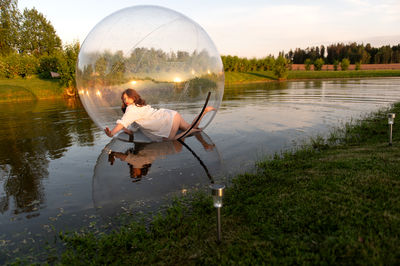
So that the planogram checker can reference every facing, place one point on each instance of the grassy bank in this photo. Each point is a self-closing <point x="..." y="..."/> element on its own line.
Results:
<point x="263" y="76"/>
<point x="21" y="89"/>
<point x="334" y="201"/>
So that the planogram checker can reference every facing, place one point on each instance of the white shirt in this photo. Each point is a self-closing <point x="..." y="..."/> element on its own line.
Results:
<point x="153" y="122"/>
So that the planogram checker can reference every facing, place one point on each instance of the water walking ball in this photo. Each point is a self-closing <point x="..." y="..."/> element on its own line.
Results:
<point x="165" y="56"/>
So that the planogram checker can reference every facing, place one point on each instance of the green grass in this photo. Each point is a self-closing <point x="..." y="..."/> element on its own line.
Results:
<point x="262" y="76"/>
<point x="332" y="201"/>
<point x="242" y="77"/>
<point x="343" y="74"/>
<point x="20" y="89"/>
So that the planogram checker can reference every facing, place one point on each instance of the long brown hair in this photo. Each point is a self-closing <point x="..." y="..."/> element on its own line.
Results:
<point x="131" y="93"/>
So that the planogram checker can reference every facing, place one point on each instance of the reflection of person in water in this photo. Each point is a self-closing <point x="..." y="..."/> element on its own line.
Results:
<point x="157" y="124"/>
<point x="136" y="171"/>
<point x="141" y="157"/>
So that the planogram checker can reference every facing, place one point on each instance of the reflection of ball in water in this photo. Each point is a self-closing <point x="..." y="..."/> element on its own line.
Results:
<point x="166" y="57"/>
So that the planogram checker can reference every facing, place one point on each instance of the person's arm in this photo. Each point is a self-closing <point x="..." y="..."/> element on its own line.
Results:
<point x="114" y="131"/>
<point x="130" y="116"/>
<point x="127" y="131"/>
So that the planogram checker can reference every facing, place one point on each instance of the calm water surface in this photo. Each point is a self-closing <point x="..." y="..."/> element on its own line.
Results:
<point x="59" y="172"/>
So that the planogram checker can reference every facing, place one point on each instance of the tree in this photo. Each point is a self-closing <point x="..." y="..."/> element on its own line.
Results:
<point x="47" y="64"/>
<point x="38" y="36"/>
<point x="345" y="64"/>
<point x="12" y="65"/>
<point x="235" y="63"/>
<point x="384" y="55"/>
<point x="322" y="52"/>
<point x="318" y="64"/>
<point x="9" y="21"/>
<point x="280" y="67"/>
<point x="299" y="56"/>
<point x="68" y="65"/>
<point x="27" y="65"/>
<point x="335" y="64"/>
<point x="307" y="64"/>
<point x="268" y="62"/>
<point x="3" y="68"/>
<point x="358" y="65"/>
<point x="253" y="64"/>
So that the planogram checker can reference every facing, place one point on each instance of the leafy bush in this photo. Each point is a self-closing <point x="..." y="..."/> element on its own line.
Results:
<point x="28" y="65"/>
<point x="13" y="65"/>
<point x="344" y="65"/>
<point x="335" y="64"/>
<point x="281" y="67"/>
<point x="68" y="65"/>
<point x="2" y="68"/>
<point x="48" y="63"/>
<point x="318" y="64"/>
<point x="358" y="65"/>
<point x="239" y="64"/>
<point x="307" y="64"/>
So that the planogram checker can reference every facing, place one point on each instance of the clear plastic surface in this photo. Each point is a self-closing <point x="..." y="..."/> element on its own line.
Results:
<point x="166" y="57"/>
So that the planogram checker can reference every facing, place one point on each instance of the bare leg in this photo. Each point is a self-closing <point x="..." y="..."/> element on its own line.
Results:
<point x="193" y="130"/>
<point x="205" y="144"/>
<point x="208" y="109"/>
<point x="180" y="123"/>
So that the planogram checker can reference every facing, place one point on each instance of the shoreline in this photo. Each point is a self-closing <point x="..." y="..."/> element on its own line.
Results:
<point x="29" y="89"/>
<point x="20" y="89"/>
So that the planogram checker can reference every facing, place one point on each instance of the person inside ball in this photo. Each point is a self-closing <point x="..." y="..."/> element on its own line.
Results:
<point x="157" y="124"/>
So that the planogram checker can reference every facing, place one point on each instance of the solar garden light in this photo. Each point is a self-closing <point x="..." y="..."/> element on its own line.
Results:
<point x="217" y="192"/>
<point x="391" y="117"/>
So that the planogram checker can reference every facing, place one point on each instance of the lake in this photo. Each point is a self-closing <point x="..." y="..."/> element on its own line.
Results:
<point x="59" y="172"/>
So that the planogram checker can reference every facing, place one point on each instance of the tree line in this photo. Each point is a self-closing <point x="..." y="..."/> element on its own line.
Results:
<point x="29" y="45"/>
<point x="339" y="54"/>
<point x="278" y="65"/>
<point x="243" y="64"/>
<point x="355" y="53"/>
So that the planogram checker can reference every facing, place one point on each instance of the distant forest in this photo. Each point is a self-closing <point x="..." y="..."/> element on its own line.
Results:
<point x="332" y="54"/>
<point x="356" y="53"/>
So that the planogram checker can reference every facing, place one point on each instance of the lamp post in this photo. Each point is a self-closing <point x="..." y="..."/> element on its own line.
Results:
<point x="217" y="192"/>
<point x="391" y="117"/>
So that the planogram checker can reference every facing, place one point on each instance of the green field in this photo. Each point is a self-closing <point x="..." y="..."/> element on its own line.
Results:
<point x="263" y="76"/>
<point x="332" y="201"/>
<point x="21" y="89"/>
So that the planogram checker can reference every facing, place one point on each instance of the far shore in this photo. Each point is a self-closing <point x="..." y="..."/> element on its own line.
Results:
<point x="34" y="88"/>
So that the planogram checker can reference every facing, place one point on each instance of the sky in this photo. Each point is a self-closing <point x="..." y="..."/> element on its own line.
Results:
<point x="247" y="28"/>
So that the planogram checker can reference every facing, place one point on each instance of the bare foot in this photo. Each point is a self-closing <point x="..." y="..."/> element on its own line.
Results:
<point x="208" y="109"/>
